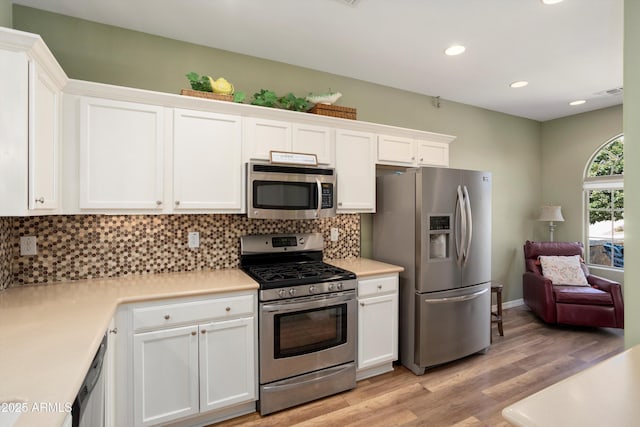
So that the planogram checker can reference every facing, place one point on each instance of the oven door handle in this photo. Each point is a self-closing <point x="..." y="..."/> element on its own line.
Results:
<point x="320" y="302"/>
<point x="331" y="372"/>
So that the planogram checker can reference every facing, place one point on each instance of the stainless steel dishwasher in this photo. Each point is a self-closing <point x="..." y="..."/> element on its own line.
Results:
<point x="88" y="408"/>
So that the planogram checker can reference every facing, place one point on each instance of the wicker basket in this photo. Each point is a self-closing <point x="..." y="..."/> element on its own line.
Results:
<point x="208" y="95"/>
<point x="334" y="111"/>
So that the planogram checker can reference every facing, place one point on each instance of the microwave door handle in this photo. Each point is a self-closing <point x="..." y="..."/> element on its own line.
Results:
<point x="319" y="197"/>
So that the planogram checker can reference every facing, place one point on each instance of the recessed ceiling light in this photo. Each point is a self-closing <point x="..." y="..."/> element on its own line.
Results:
<point x="578" y="102"/>
<point x="551" y="1"/>
<point x="519" y="83"/>
<point x="455" y="50"/>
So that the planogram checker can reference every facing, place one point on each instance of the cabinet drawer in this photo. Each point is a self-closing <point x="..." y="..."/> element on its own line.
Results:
<point x="178" y="313"/>
<point x="377" y="285"/>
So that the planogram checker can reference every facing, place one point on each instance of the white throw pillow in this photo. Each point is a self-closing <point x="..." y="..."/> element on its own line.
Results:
<point x="563" y="270"/>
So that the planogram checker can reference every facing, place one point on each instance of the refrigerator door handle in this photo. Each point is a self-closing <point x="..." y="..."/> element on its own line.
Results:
<point x="457" y="299"/>
<point x="460" y="232"/>
<point x="469" y="228"/>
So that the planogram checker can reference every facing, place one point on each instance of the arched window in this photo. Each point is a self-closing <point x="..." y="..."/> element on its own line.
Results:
<point x="604" y="205"/>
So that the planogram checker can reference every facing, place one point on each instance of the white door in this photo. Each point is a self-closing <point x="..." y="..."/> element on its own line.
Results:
<point x="207" y="170"/>
<point x="396" y="150"/>
<point x="432" y="153"/>
<point x="262" y="136"/>
<point x="121" y="155"/>
<point x="377" y="330"/>
<point x="165" y="369"/>
<point x="356" y="171"/>
<point x="44" y="107"/>
<point x="316" y="140"/>
<point x="227" y="363"/>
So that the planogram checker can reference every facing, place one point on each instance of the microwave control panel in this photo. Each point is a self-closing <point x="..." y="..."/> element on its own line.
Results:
<point x="327" y="196"/>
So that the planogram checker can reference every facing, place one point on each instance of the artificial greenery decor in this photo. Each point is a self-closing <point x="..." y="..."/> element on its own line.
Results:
<point x="268" y="98"/>
<point x="199" y="83"/>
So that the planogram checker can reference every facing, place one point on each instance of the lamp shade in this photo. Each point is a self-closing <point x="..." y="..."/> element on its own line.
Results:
<point x="551" y="213"/>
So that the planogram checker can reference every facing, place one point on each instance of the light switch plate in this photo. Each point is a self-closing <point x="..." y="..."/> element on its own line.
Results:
<point x="28" y="246"/>
<point x="194" y="239"/>
<point x="335" y="233"/>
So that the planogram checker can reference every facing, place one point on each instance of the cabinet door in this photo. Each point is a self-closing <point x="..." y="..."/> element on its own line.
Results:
<point x="356" y="171"/>
<point x="316" y="140"/>
<point x="121" y="155"/>
<point x="396" y="150"/>
<point x="377" y="330"/>
<point x="432" y="153"/>
<point x="44" y="107"/>
<point x="207" y="170"/>
<point x="165" y="369"/>
<point x="227" y="363"/>
<point x="262" y="136"/>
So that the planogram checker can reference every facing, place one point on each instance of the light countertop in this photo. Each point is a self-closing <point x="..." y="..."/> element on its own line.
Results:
<point x="50" y="333"/>
<point x="606" y="394"/>
<point x="364" y="267"/>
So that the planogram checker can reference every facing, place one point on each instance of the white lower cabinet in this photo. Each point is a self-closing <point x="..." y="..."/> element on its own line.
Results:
<point x="190" y="361"/>
<point x="165" y="382"/>
<point x="377" y="325"/>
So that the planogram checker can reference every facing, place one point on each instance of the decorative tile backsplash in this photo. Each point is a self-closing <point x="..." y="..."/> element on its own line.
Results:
<point x="95" y="246"/>
<point x="5" y="252"/>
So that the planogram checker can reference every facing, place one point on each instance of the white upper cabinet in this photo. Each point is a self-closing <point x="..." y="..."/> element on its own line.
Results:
<point x="410" y="152"/>
<point x="29" y="133"/>
<point x="44" y="132"/>
<point x="316" y="140"/>
<point x="207" y="164"/>
<point x="261" y="136"/>
<point x="356" y="171"/>
<point x="121" y="155"/>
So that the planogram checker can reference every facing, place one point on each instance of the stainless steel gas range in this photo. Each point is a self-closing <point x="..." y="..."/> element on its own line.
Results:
<point x="307" y="319"/>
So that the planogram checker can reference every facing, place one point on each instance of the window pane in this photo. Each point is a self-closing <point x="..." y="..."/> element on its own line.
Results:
<point x="609" y="160"/>
<point x="618" y="199"/>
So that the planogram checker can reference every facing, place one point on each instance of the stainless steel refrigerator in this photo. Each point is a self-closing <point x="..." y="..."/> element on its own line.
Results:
<point x="436" y="223"/>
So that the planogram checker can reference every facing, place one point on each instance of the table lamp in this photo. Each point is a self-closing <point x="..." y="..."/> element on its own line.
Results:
<point x="551" y="214"/>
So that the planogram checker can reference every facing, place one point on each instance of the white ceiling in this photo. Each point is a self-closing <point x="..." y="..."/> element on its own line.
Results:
<point x="569" y="51"/>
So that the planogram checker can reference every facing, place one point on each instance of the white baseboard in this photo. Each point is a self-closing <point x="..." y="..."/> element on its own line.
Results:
<point x="509" y="304"/>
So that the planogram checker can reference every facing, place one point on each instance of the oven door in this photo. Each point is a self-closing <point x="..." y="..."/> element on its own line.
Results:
<point x="285" y="192"/>
<point x="306" y="334"/>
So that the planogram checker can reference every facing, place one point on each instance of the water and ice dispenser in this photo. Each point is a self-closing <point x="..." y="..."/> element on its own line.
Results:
<point x="439" y="237"/>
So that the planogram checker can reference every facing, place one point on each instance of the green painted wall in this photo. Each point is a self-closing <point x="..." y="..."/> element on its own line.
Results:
<point x="632" y="174"/>
<point x="507" y="146"/>
<point x="6" y="16"/>
<point x="567" y="145"/>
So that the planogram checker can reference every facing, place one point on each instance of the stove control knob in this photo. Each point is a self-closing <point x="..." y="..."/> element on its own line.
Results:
<point x="331" y="287"/>
<point x="312" y="289"/>
<point x="282" y="293"/>
<point x="339" y="286"/>
<point x="292" y="292"/>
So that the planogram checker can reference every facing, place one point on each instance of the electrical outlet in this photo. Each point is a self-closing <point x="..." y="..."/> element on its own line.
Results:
<point x="28" y="246"/>
<point x="194" y="239"/>
<point x="335" y="232"/>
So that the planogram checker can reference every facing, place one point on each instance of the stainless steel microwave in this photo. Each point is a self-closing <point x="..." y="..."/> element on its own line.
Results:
<point x="290" y="192"/>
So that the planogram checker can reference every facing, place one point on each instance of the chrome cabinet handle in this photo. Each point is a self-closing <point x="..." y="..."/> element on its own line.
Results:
<point x="40" y="200"/>
<point x="113" y="331"/>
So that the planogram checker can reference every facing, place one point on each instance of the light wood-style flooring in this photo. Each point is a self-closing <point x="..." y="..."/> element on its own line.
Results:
<point x="470" y="392"/>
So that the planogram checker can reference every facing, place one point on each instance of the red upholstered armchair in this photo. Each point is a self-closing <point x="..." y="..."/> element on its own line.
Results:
<point x="599" y="304"/>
